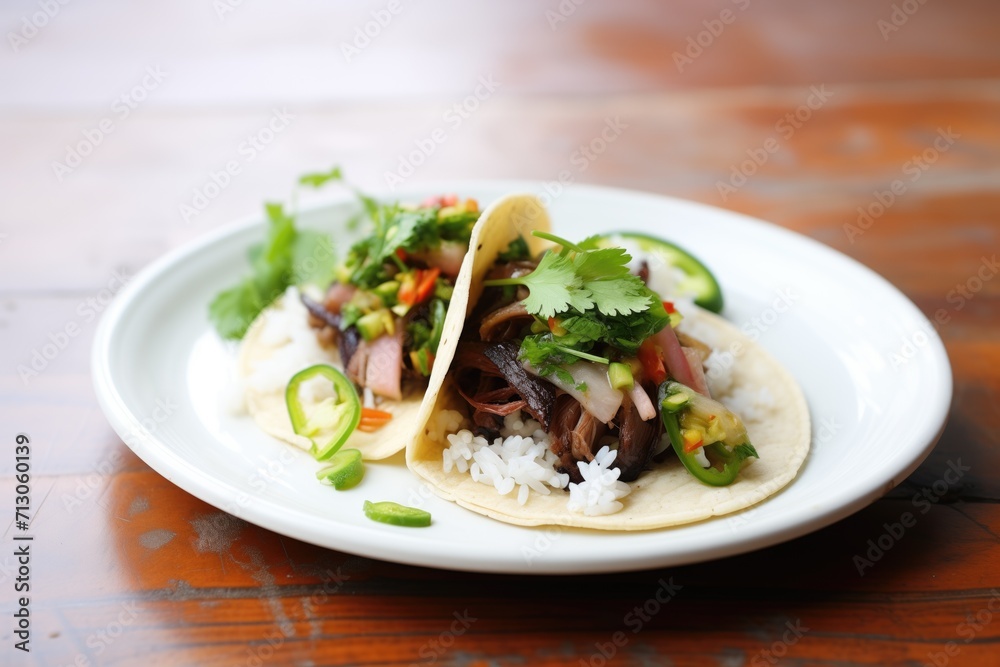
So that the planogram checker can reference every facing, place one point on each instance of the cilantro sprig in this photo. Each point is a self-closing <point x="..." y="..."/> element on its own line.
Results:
<point x="288" y="256"/>
<point x="292" y="256"/>
<point x="594" y="307"/>
<point x="581" y="278"/>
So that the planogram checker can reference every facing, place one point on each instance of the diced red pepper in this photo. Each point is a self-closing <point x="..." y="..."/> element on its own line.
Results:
<point x="401" y="254"/>
<point x="440" y="201"/>
<point x="652" y="361"/>
<point x="418" y="287"/>
<point x="669" y="307"/>
<point x="425" y="283"/>
<point x="407" y="289"/>
<point x="688" y="446"/>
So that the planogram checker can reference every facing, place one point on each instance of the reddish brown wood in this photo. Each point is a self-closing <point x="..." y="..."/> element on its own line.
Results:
<point x="132" y="570"/>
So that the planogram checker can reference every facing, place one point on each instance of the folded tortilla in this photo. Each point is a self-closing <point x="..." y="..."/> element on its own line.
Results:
<point x="666" y="494"/>
<point x="268" y="408"/>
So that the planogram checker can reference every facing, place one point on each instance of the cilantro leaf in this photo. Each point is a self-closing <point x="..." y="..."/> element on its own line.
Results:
<point x="232" y="310"/>
<point x="596" y="301"/>
<point x="395" y="229"/>
<point x="603" y="264"/>
<point x="457" y="226"/>
<point x="319" y="179"/>
<point x="288" y="256"/>
<point x="542" y="352"/>
<point x="583" y="330"/>
<point x="517" y="250"/>
<point x="314" y="260"/>
<point x="620" y="297"/>
<point x="581" y="280"/>
<point x="553" y="287"/>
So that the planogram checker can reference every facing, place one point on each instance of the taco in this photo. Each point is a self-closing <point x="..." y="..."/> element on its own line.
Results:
<point x="578" y="396"/>
<point x="349" y="365"/>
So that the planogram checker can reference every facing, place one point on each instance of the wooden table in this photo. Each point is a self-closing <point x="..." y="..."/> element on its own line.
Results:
<point x="128" y="569"/>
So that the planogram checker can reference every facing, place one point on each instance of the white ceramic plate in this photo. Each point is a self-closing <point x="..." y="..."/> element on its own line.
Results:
<point x="874" y="372"/>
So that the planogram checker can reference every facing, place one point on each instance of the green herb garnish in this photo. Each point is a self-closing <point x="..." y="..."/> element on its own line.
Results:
<point x="582" y="280"/>
<point x="289" y="256"/>
<point x="587" y="305"/>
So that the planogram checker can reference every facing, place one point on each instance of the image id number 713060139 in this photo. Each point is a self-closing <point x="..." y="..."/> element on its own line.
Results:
<point x="22" y="541"/>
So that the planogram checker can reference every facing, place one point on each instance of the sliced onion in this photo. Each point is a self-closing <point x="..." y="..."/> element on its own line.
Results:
<point x="642" y="403"/>
<point x="600" y="398"/>
<point x="448" y="257"/>
<point x="700" y="384"/>
<point x="677" y="362"/>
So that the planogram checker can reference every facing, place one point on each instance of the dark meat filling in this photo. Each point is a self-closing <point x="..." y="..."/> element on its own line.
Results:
<point x="575" y="433"/>
<point x="636" y="440"/>
<point x="493" y="382"/>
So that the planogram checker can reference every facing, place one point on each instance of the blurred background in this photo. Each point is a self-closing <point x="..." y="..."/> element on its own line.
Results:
<point x="115" y="115"/>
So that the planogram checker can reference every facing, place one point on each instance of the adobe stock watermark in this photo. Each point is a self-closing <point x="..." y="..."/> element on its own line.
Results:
<point x="32" y="24"/>
<point x="785" y="127"/>
<point x="957" y="297"/>
<point x="121" y="109"/>
<point x="968" y="630"/>
<point x="541" y="542"/>
<point x="914" y="168"/>
<point x="922" y="501"/>
<point x="260" y="652"/>
<point x="434" y="649"/>
<point x="225" y="7"/>
<point x="86" y="312"/>
<point x="101" y="640"/>
<point x="453" y="118"/>
<point x="635" y="620"/>
<point x="564" y="10"/>
<point x="697" y="44"/>
<point x="899" y="17"/>
<point x="779" y="648"/>
<point x="268" y="470"/>
<point x="365" y="34"/>
<point x="722" y="359"/>
<point x="162" y="410"/>
<point x="826" y="430"/>
<point x="582" y="158"/>
<point x="248" y="151"/>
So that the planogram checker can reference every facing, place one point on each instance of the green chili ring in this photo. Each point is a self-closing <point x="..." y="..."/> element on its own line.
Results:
<point x="340" y="417"/>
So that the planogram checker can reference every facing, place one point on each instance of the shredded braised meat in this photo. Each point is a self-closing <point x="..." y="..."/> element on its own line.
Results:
<point x="636" y="440"/>
<point x="492" y="381"/>
<point x="575" y="433"/>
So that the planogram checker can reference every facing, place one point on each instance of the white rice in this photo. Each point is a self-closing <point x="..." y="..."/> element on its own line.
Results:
<point x="519" y="458"/>
<point x="719" y="373"/>
<point x="600" y="489"/>
<point x="287" y="331"/>
<point x="752" y="404"/>
<point x="522" y="459"/>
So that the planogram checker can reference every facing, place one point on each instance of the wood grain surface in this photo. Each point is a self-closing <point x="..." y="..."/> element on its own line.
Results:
<point x="128" y="569"/>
